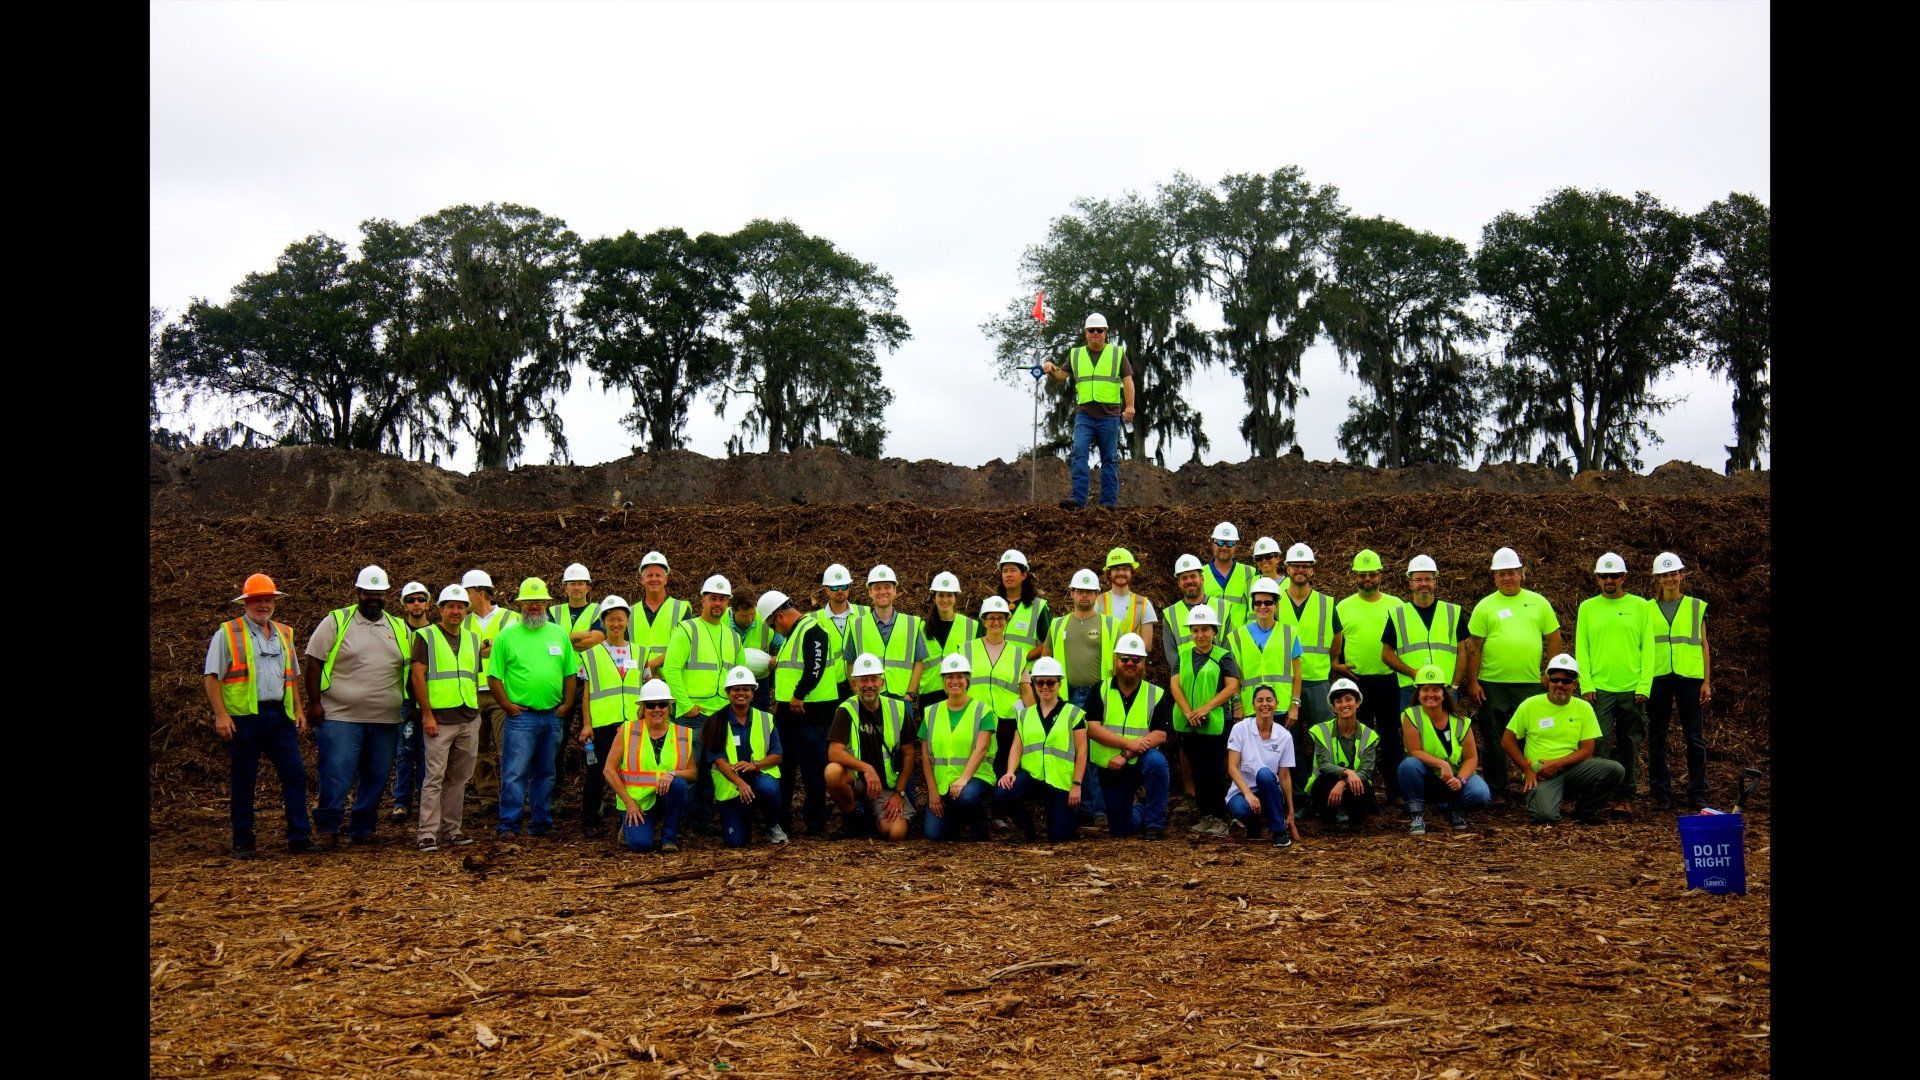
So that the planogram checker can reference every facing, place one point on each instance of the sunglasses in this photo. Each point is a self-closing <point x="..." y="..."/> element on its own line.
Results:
<point x="1129" y="659"/>
<point x="1264" y="603"/>
<point x="655" y="705"/>
<point x="1096" y="329"/>
<point x="415" y="600"/>
<point x="1224" y="543"/>
<point x="838" y="588"/>
<point x="1610" y="577"/>
<point x="1046" y="682"/>
<point x="1561" y="680"/>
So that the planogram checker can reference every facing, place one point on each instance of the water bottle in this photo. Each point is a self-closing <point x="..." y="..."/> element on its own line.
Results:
<point x="593" y="755"/>
<point x="406" y="731"/>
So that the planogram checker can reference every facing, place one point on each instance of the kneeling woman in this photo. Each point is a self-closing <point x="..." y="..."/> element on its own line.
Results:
<point x="1048" y="758"/>
<point x="956" y="737"/>
<point x="745" y="751"/>
<point x="1341" y="787"/>
<point x="651" y="771"/>
<point x="1442" y="765"/>
<point x="1260" y="764"/>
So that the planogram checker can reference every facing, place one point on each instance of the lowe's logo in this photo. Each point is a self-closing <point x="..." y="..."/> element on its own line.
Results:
<point x="1716" y="882"/>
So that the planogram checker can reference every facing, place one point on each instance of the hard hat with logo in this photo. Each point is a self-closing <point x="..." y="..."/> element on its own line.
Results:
<point x="1085" y="579"/>
<point x="453" y="594"/>
<point x="995" y="605"/>
<point x="1420" y="564"/>
<point x="944" y="582"/>
<point x="1012" y="555"/>
<point x="1203" y="615"/>
<point x="1186" y="563"/>
<point x="1506" y="559"/>
<point x="1121" y="557"/>
<point x="1667" y="562"/>
<point x="741" y="676"/>
<point x="717" y="586"/>
<point x="1565" y="663"/>
<point x="757" y="661"/>
<point x="654" y="558"/>
<point x="615" y="603"/>
<point x="1610" y="563"/>
<point x="656" y="690"/>
<point x="1130" y="645"/>
<point x="1095" y="321"/>
<point x="532" y="589"/>
<point x="956" y="664"/>
<point x="1429" y="675"/>
<point x="1265" y="546"/>
<point x="1347" y="686"/>
<point x="882" y="573"/>
<point x="476" y="579"/>
<point x="867" y="664"/>
<point x="1300" y="553"/>
<point x="1264" y="585"/>
<point x="257" y="585"/>
<point x="576" y="572"/>
<point x="1047" y="668"/>
<point x="836" y="577"/>
<point x="770" y="601"/>
<point x="372" y="579"/>
<point x="411" y="588"/>
<point x="1225" y="533"/>
<point x="1366" y="561"/>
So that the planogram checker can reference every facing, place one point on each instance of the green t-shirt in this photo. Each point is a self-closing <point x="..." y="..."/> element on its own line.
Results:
<point x="1606" y="642"/>
<point x="1547" y="731"/>
<point x="1515" y="630"/>
<point x="1363" y="623"/>
<point x="531" y="663"/>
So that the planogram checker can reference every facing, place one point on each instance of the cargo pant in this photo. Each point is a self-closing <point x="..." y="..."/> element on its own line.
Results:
<point x="1623" y="727"/>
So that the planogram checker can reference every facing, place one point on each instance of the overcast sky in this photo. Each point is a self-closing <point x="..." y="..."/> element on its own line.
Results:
<point x="935" y="141"/>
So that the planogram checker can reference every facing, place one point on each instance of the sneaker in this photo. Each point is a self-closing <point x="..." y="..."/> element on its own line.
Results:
<point x="776" y="835"/>
<point x="302" y="846"/>
<point x="1419" y="826"/>
<point x="327" y="841"/>
<point x="1154" y="832"/>
<point x="1340" y="818"/>
<point x="1199" y="826"/>
<point x="1458" y="820"/>
<point x="1218" y="828"/>
<point x="459" y="839"/>
<point x="427" y="843"/>
<point x="669" y="847"/>
<point x="1185" y="804"/>
<point x="1282" y="839"/>
<point x="399" y="813"/>
<point x="244" y="854"/>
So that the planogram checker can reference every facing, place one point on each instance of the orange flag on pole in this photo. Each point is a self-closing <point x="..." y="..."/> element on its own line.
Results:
<point x="1039" y="305"/>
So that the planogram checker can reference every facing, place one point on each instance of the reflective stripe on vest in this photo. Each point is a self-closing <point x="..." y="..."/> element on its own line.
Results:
<point x="613" y="697"/>
<point x="1232" y="597"/>
<point x="959" y="639"/>
<point x="893" y="718"/>
<point x="1316" y="649"/>
<point x="340" y="620"/>
<point x="1177" y="633"/>
<point x="759" y="733"/>
<point x="1022" y="625"/>
<point x="1118" y="719"/>
<point x="1130" y="623"/>
<point x="998" y="682"/>
<point x="1323" y="733"/>
<point x="1436" y="646"/>
<point x="791" y="667"/>
<point x="895" y="653"/>
<point x="949" y="745"/>
<point x="1200" y="682"/>
<point x="1685" y="654"/>
<point x="1094" y="383"/>
<point x="1264" y="666"/>
<point x="694" y="628"/>
<point x="453" y="676"/>
<point x="498" y="619"/>
<point x="238" y="690"/>
<point x="563" y="615"/>
<point x="1430" y="739"/>
<point x="656" y="632"/>
<point x="1110" y="632"/>
<point x="1046" y="754"/>
<point x="640" y="770"/>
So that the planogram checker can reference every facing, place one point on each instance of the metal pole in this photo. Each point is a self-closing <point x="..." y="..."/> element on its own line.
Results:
<point x="1033" y="449"/>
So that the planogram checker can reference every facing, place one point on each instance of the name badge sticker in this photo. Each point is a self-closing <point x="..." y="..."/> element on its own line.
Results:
<point x="1506" y="613"/>
<point x="553" y="650"/>
<point x="1546" y="722"/>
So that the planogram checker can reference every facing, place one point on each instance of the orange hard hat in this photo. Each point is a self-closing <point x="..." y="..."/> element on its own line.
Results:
<point x="257" y="585"/>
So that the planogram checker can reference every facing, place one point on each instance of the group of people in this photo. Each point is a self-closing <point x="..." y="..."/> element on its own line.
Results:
<point x="1280" y="701"/>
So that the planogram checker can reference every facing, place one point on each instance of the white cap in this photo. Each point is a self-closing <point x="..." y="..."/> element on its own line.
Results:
<point x="1130" y="645"/>
<point x="1265" y="585"/>
<point x="1506" y="559"/>
<point x="1012" y="556"/>
<point x="476" y="579"/>
<point x="1421" y="563"/>
<point x="654" y="558"/>
<point x="1046" y="667"/>
<point x="1300" y="553"/>
<point x="956" y="664"/>
<point x="717" y="585"/>
<point x="1344" y="684"/>
<point x="1095" y="320"/>
<point x="882" y="573"/>
<point x="867" y="664"/>
<point x="372" y="579"/>
<point x="945" y="582"/>
<point x="1565" y="663"/>
<point x="740" y="676"/>
<point x="836" y="577"/>
<point x="1203" y="615"/>
<point x="1185" y="563"/>
<point x="453" y="592"/>
<point x="1226" y="533"/>
<point x="1265" y="546"/>
<point x="995" y="605"/>
<point x="656" y="690"/>
<point x="770" y="601"/>
<point x="575" y="572"/>
<point x="1667" y="562"/>
<point x="1610" y="563"/>
<point x="412" y="587"/>
<point x="757" y="661"/>
<point x="1085" y="579"/>
<point x="614" y="603"/>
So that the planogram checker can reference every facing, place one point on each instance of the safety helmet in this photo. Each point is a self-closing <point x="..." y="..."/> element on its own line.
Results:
<point x="956" y="664"/>
<point x="1085" y="579"/>
<point x="757" y="661"/>
<point x="1121" y="557"/>
<point x="1264" y="585"/>
<point x="1013" y="556"/>
<point x="1346" y="686"/>
<point x="532" y="589"/>
<point x="1300" y="553"/>
<point x="1667" y="562"/>
<point x="1565" y="663"/>
<point x="412" y="587"/>
<point x="476" y="579"/>
<point x="575" y="572"/>
<point x="1185" y="563"/>
<point x="615" y="603"/>
<point x="1610" y="563"/>
<point x="654" y="558"/>
<point x="944" y="582"/>
<point x="1047" y="668"/>
<point x="1366" y="561"/>
<point x="372" y="579"/>
<point x="995" y="605"/>
<point x="770" y="601"/>
<point x="1420" y="563"/>
<point x="882" y="573"/>
<point x="656" y="690"/>
<point x="453" y="594"/>
<point x="867" y="664"/>
<point x="1225" y="533"/>
<point x="1429" y="675"/>
<point x="718" y="586"/>
<point x="257" y="585"/>
<point x="740" y="676"/>
<point x="836" y="577"/>
<point x="1506" y="559"/>
<point x="1130" y="645"/>
<point x="1203" y="615"/>
<point x="1095" y="321"/>
<point x="1265" y="546"/>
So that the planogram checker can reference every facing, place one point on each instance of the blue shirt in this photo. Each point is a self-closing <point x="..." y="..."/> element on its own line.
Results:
<point x="742" y="736"/>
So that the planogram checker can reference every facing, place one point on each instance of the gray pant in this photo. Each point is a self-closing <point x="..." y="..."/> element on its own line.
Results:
<point x="1491" y="721"/>
<point x="1589" y="784"/>
<point x="1623" y="727"/>
<point x="448" y="765"/>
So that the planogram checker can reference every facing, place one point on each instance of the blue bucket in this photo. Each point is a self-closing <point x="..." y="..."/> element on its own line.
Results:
<point x="1714" y="846"/>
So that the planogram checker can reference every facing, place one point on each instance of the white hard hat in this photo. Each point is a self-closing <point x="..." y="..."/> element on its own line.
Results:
<point x="576" y="572"/>
<point x="836" y="577"/>
<point x="1047" y="668"/>
<point x="1565" y="663"/>
<point x="1422" y="563"/>
<point x="1610" y="563"/>
<point x="1012" y="556"/>
<point x="1226" y="533"/>
<point x="770" y="601"/>
<point x="1506" y="559"/>
<point x="1344" y="684"/>
<point x="1667" y="562"/>
<point x="995" y="605"/>
<point x="1130" y="645"/>
<point x="956" y="664"/>
<point x="1203" y="615"/>
<point x="1095" y="321"/>
<point x="412" y="587"/>
<point x="656" y="690"/>
<point x="1300" y="553"/>
<point x="717" y="585"/>
<point x="1265" y="585"/>
<point x="453" y="593"/>
<point x="654" y="558"/>
<point x="1185" y="563"/>
<point x="476" y="579"/>
<point x="1265" y="546"/>
<point x="867" y="664"/>
<point x="945" y="582"/>
<point x="1085" y="579"/>
<point x="615" y="603"/>
<point x="740" y="676"/>
<point x="757" y="661"/>
<point x="372" y="579"/>
<point x="882" y="573"/>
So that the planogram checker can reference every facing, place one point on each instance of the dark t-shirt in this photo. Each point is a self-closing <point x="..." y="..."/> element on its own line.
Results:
<point x="1161" y="720"/>
<point x="872" y="740"/>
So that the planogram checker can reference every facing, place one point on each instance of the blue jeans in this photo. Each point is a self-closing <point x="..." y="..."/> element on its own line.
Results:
<point x="969" y="809"/>
<point x="1151" y="774"/>
<point x="665" y="815"/>
<point x="1420" y="786"/>
<point x="803" y="745"/>
<point x="1092" y="802"/>
<point x="359" y="756"/>
<point x="736" y="815"/>
<point x="1085" y="430"/>
<point x="272" y="734"/>
<point x="410" y="762"/>
<point x="1061" y="825"/>
<point x="1273" y="805"/>
<point x="527" y="744"/>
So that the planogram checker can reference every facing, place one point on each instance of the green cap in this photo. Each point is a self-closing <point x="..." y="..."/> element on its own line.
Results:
<point x="532" y="589"/>
<point x="1121" y="557"/>
<point x="1429" y="675"/>
<point x="1368" y="559"/>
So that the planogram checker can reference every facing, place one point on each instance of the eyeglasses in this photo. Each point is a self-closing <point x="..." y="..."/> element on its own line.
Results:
<point x="1561" y="680"/>
<point x="1264" y="603"/>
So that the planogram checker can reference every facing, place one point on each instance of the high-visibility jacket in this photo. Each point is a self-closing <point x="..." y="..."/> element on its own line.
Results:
<point x="837" y="643"/>
<point x="1314" y="627"/>
<point x="1096" y="379"/>
<point x="563" y="615"/>
<point x="893" y="721"/>
<point x="1364" y="626"/>
<point x="613" y="697"/>
<point x="997" y="685"/>
<point x="1057" y="641"/>
<point x="1678" y="647"/>
<point x="1046" y="754"/>
<point x="1126" y="616"/>
<point x="239" y="690"/>
<point x="757" y="636"/>
<point x="759" y="734"/>
<point x="791" y="664"/>
<point x="1268" y="666"/>
<point x="650" y="636"/>
<point x="401" y="636"/>
<point x="1199" y="681"/>
<point x="1023" y="625"/>
<point x="1421" y="644"/>
<point x="959" y="639"/>
<point x="950" y="743"/>
<point x="699" y="655"/>
<point x="1229" y="601"/>
<point x="640" y="768"/>
<point x="489" y="628"/>
<point x="1127" y="722"/>
<point x="1457" y="728"/>
<point x="895" y="653"/>
<point x="453" y="674"/>
<point x="1323" y="735"/>
<point x="1174" y="622"/>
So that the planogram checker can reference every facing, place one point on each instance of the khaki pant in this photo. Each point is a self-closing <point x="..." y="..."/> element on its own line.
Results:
<point x="449" y="758"/>
<point x="492" y="717"/>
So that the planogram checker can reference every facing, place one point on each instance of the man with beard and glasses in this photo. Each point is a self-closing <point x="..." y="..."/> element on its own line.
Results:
<point x="533" y="675"/>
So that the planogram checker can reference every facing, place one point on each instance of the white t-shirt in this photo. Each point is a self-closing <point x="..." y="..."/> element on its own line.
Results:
<point x="1273" y="752"/>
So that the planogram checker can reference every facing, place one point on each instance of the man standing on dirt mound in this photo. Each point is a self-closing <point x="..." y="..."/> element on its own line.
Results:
<point x="354" y="693"/>
<point x="1103" y="389"/>
<point x="252" y="677"/>
<point x="533" y="677"/>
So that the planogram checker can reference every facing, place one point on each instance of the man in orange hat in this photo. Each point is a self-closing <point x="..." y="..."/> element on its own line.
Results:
<point x="253" y="682"/>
